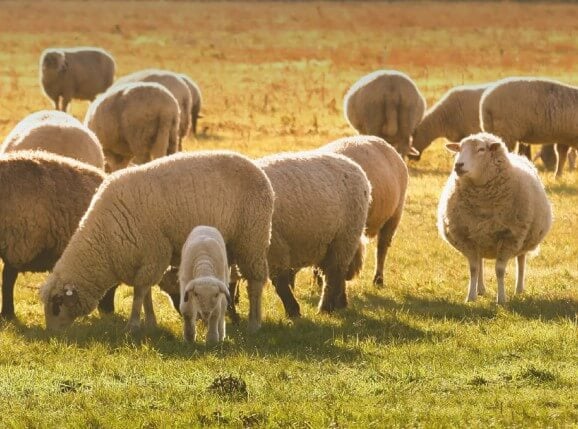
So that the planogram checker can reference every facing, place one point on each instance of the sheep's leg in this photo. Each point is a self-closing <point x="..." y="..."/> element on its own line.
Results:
<point x="521" y="265"/>
<point x="562" y="150"/>
<point x="474" y="272"/>
<point x="525" y="149"/>
<point x="133" y="325"/>
<point x="9" y="275"/>
<point x="572" y="159"/>
<point x="333" y="295"/>
<point x="481" y="285"/>
<point x="106" y="304"/>
<point x="232" y="306"/>
<point x="189" y="329"/>
<point x="56" y="102"/>
<point x="221" y="325"/>
<point x="384" y="239"/>
<point x="65" y="102"/>
<point x="255" y="289"/>
<point x="213" y="328"/>
<point x="281" y="283"/>
<point x="176" y="301"/>
<point x="500" y="274"/>
<point x="150" y="318"/>
<point x="318" y="277"/>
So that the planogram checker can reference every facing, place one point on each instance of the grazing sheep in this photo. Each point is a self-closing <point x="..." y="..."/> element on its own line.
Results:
<point x="80" y="73"/>
<point x="139" y="220"/>
<point x="204" y="283"/>
<point x="386" y="104"/>
<point x="493" y="206"/>
<point x="56" y="132"/>
<point x="175" y="85"/>
<point x="455" y="116"/>
<point x="321" y="202"/>
<point x="197" y="100"/>
<point x="139" y="120"/>
<point x="387" y="174"/>
<point x="533" y="111"/>
<point x="43" y="196"/>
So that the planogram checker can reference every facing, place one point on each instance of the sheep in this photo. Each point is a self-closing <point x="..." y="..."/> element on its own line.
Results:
<point x="388" y="176"/>
<point x="197" y="101"/>
<point x="386" y="104"/>
<point x="321" y="203"/>
<point x="176" y="86"/>
<point x="81" y="73"/>
<point x="455" y="116"/>
<point x="204" y="283"/>
<point x="56" y="132"/>
<point x="493" y="206"/>
<point x="139" y="220"/>
<point x="43" y="197"/>
<point x="551" y="154"/>
<point x="139" y="120"/>
<point x="533" y="111"/>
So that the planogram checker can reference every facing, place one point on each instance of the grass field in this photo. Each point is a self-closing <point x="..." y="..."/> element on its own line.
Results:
<point x="273" y="76"/>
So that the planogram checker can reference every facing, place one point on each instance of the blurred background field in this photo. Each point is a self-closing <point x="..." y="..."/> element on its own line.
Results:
<point x="273" y="76"/>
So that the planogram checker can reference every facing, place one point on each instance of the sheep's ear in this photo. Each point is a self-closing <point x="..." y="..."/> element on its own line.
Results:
<point x="453" y="147"/>
<point x="56" y="301"/>
<point x="413" y="152"/>
<point x="494" y="146"/>
<point x="223" y="288"/>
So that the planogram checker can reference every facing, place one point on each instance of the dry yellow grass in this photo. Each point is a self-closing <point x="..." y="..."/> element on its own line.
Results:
<point x="273" y="76"/>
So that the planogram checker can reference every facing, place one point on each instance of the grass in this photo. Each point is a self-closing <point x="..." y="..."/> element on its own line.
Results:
<point x="410" y="354"/>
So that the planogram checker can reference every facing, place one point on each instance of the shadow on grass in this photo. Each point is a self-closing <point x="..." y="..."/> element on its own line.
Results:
<point x="544" y="309"/>
<point x="562" y="189"/>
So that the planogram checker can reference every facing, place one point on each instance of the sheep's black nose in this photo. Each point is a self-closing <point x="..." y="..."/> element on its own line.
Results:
<point x="459" y="164"/>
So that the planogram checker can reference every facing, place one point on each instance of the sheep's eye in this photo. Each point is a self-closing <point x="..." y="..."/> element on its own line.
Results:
<point x="482" y="149"/>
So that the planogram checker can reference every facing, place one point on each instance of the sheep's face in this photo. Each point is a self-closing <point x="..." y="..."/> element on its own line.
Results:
<point x="474" y="154"/>
<point x="205" y="294"/>
<point x="61" y="305"/>
<point x="406" y="150"/>
<point x="53" y="62"/>
<point x="170" y="281"/>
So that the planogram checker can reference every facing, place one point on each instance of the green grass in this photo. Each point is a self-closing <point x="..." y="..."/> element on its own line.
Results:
<point x="409" y="354"/>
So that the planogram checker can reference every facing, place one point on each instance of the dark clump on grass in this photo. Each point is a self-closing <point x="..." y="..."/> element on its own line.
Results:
<point x="71" y="386"/>
<point x="538" y="375"/>
<point x="253" y="420"/>
<point x="478" y="380"/>
<point x="230" y="387"/>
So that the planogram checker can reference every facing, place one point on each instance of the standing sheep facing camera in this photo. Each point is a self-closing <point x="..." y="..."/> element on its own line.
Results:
<point x="134" y="120"/>
<point x="533" y="111"/>
<point x="139" y="220"/>
<point x="455" y="116"/>
<point x="56" y="132"/>
<point x="493" y="206"/>
<point x="204" y="283"/>
<point x="42" y="198"/>
<point x="386" y="104"/>
<point x="81" y="73"/>
<point x="175" y="85"/>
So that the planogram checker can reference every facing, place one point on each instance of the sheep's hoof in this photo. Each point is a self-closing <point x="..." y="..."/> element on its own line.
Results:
<point x="7" y="316"/>
<point x="326" y="308"/>
<point x="254" y="326"/>
<point x="151" y="324"/>
<point x="501" y="300"/>
<point x="519" y="291"/>
<point x="293" y="313"/>
<point x="471" y="298"/>
<point x="133" y="328"/>
<point x="378" y="280"/>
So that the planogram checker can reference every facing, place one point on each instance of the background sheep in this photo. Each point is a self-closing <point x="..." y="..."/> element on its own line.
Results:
<point x="386" y="104"/>
<point x="532" y="111"/>
<point x="321" y="202"/>
<point x="43" y="196"/>
<point x="549" y="154"/>
<point x="80" y="73"/>
<point x="56" y="132"/>
<point x="204" y="283"/>
<point x="493" y="206"/>
<point x="135" y="120"/>
<point x="387" y="174"/>
<point x="455" y="116"/>
<point x="176" y="86"/>
<point x="139" y="220"/>
<point x="196" y="100"/>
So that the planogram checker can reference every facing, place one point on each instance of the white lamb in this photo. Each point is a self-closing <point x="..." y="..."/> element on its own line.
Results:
<point x="493" y="206"/>
<point x="204" y="283"/>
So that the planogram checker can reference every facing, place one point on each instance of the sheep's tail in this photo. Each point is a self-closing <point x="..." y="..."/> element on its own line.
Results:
<point x="356" y="263"/>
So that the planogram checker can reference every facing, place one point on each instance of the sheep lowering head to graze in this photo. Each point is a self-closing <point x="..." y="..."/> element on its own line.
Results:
<point x="493" y="206"/>
<point x="386" y="104"/>
<point x="204" y="283"/>
<point x="139" y="220"/>
<point x="56" y="132"/>
<point x="80" y="73"/>
<point x="134" y="121"/>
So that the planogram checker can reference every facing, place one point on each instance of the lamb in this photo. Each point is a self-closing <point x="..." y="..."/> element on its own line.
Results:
<point x="493" y="206"/>
<point x="386" y="104"/>
<point x="204" y="283"/>
<point x="56" y="132"/>
<point x="197" y="100"/>
<point x="321" y="203"/>
<point x="388" y="176"/>
<point x="176" y="86"/>
<point x="81" y="73"/>
<point x="139" y="120"/>
<point x="533" y="111"/>
<point x="455" y="116"/>
<point x="43" y="197"/>
<point x="139" y="220"/>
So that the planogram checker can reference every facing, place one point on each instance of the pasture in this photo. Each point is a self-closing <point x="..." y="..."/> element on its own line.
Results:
<point x="412" y="353"/>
